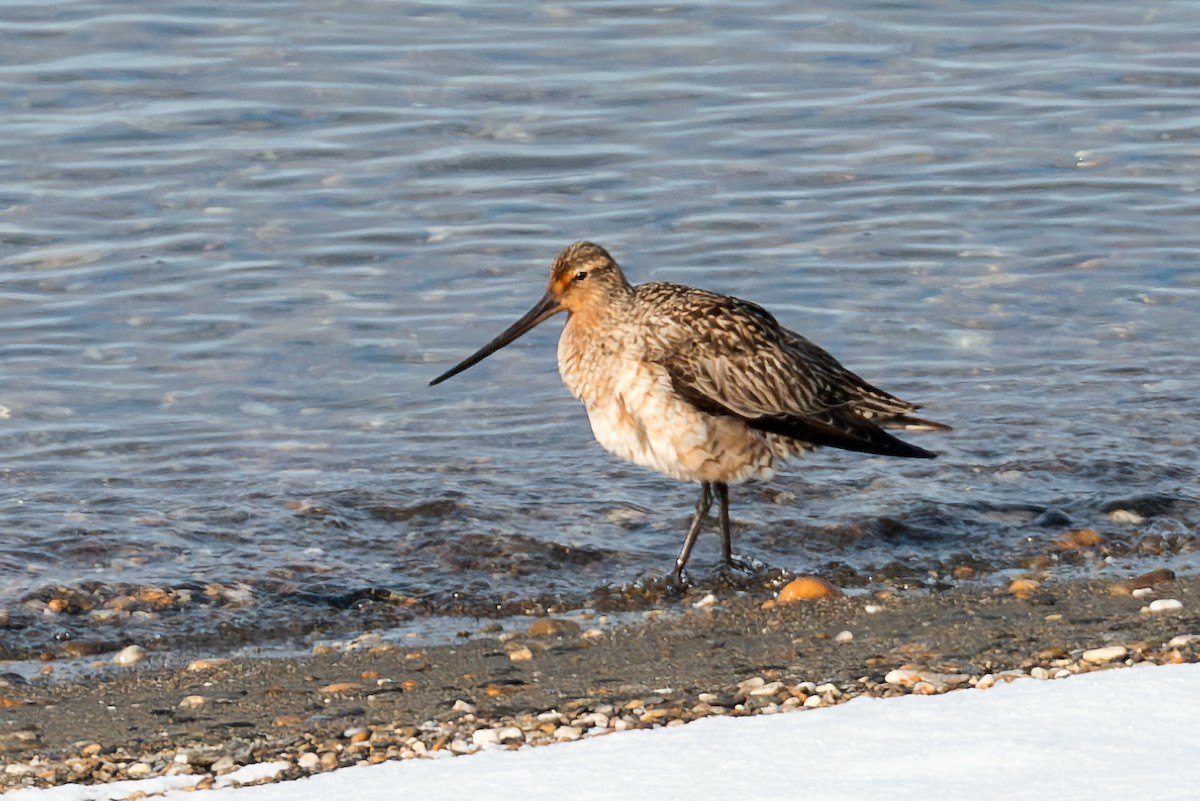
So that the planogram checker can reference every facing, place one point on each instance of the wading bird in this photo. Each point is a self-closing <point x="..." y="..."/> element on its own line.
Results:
<point x="699" y="386"/>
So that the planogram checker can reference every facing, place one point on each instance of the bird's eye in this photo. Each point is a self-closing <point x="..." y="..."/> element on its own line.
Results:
<point x="579" y="276"/>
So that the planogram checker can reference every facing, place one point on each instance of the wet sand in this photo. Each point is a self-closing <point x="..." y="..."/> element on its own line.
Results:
<point x="573" y="674"/>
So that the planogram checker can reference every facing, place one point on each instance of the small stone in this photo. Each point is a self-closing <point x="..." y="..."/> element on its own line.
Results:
<point x="1106" y="654"/>
<point x="813" y="701"/>
<point x="139" y="770"/>
<point x="807" y="588"/>
<point x="767" y="689"/>
<point x="1080" y="538"/>
<point x="553" y="627"/>
<point x="197" y="665"/>
<point x="597" y="720"/>
<point x="482" y="738"/>
<point x="751" y="684"/>
<point x="192" y="702"/>
<point x="567" y="733"/>
<point x="464" y="707"/>
<point x="1023" y="588"/>
<point x="1039" y="672"/>
<point x="844" y="637"/>
<point x="518" y="653"/>
<point x="1164" y="605"/>
<point x="1182" y="640"/>
<point x="91" y="749"/>
<point x="287" y="720"/>
<point x="129" y="655"/>
<point x="1143" y="582"/>
<point x="225" y="764"/>
<point x="872" y="609"/>
<point x="706" y="601"/>
<point x="329" y="760"/>
<point x="1125" y="516"/>
<point x="340" y="687"/>
<point x="511" y="734"/>
<point x="902" y="677"/>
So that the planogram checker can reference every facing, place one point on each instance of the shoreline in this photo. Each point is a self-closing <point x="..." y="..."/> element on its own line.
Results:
<point x="561" y="679"/>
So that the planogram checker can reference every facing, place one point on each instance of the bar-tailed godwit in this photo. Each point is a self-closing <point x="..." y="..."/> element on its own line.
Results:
<point x="699" y="386"/>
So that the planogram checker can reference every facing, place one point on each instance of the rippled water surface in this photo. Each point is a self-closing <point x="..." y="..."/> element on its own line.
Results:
<point x="237" y="242"/>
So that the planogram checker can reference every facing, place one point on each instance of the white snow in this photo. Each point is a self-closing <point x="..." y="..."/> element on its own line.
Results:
<point x="1131" y="732"/>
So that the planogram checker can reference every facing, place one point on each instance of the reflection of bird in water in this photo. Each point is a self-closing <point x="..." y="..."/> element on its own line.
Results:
<point x="700" y="386"/>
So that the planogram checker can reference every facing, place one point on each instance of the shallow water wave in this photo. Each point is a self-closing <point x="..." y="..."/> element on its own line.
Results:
<point x="234" y="250"/>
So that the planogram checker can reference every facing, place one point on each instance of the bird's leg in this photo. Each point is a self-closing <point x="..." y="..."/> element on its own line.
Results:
<point x="702" y="507"/>
<point x="726" y="536"/>
<point x="723" y="517"/>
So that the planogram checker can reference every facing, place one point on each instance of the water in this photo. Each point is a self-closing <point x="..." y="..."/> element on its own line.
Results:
<point x="235" y="245"/>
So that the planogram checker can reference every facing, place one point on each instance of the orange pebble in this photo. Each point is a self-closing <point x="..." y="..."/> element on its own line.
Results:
<point x="807" y="588"/>
<point x="1080" y="538"/>
<point x="1023" y="588"/>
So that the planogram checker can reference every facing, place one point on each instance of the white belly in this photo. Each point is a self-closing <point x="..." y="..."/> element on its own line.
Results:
<point x="637" y="416"/>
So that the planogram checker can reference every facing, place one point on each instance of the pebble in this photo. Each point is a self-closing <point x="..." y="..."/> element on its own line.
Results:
<point x="129" y="655"/>
<point x="1107" y="654"/>
<point x="1023" y="588"/>
<point x="511" y="734"/>
<point x="224" y="765"/>
<point x="340" y="687"/>
<point x="767" y="689"/>
<point x="844" y="637"/>
<point x="745" y="687"/>
<point x="807" y="588"/>
<point x="903" y="678"/>
<point x="597" y="720"/>
<point x="198" y="665"/>
<point x="553" y="627"/>
<point x="309" y="761"/>
<point x="1143" y="582"/>
<point x="193" y="702"/>
<point x="1164" y="605"/>
<point x="1125" y="516"/>
<point x="519" y="653"/>
<point x="1080" y="538"/>
<point x="482" y="738"/>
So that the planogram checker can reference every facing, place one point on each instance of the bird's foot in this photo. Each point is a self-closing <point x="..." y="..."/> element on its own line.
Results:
<point x="746" y="567"/>
<point x="677" y="583"/>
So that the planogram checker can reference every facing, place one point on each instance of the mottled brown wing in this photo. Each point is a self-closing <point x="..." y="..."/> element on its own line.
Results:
<point x="729" y="356"/>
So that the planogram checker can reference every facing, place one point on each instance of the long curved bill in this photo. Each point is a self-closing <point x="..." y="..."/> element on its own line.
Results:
<point x="546" y="307"/>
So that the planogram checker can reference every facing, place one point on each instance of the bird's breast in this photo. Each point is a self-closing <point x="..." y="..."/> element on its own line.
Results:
<point x="636" y="413"/>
